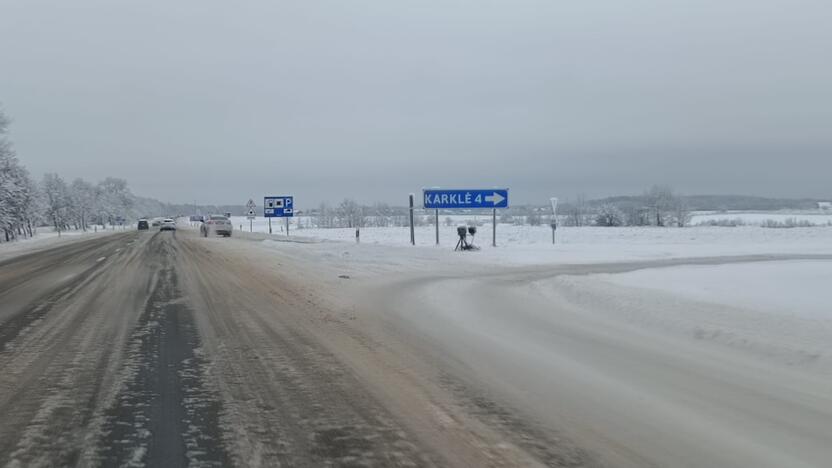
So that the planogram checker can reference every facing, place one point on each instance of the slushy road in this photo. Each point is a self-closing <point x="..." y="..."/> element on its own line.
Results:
<point x="167" y="349"/>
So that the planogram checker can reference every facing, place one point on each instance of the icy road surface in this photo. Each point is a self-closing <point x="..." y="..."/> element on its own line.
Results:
<point x="167" y="349"/>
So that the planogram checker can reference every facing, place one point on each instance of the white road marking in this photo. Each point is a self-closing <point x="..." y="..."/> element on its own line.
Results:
<point x="100" y="259"/>
<point x="118" y="249"/>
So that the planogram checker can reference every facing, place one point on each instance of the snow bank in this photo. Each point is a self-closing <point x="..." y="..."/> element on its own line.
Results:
<point x="47" y="237"/>
<point x="788" y="288"/>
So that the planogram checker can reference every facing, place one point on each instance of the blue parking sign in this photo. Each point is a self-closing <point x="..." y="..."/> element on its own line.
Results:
<point x="279" y="207"/>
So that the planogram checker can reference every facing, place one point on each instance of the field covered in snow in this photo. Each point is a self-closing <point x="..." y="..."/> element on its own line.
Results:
<point x="533" y="244"/>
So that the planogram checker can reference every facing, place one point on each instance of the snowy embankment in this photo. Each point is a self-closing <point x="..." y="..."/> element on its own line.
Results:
<point x="48" y="237"/>
<point x="793" y="289"/>
<point x="775" y="311"/>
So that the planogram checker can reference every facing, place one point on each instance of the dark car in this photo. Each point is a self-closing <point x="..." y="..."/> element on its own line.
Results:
<point x="143" y="225"/>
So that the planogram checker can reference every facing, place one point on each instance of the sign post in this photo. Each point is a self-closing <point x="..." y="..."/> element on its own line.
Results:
<point x="437" y="227"/>
<point x="494" y="228"/>
<point x="467" y="199"/>
<point x="412" y="232"/>
<point x="282" y="206"/>
<point x="251" y="214"/>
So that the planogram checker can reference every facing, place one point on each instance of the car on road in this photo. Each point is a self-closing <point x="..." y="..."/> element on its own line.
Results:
<point x="143" y="225"/>
<point x="216" y="225"/>
<point x="168" y="225"/>
<point x="156" y="223"/>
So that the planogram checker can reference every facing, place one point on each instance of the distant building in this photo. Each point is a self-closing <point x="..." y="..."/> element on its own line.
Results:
<point x="824" y="205"/>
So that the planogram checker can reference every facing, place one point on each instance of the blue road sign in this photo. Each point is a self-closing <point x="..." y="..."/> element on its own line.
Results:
<point x="485" y="198"/>
<point x="279" y="207"/>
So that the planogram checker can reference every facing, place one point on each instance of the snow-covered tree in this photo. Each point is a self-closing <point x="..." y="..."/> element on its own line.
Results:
<point x="56" y="201"/>
<point x="609" y="215"/>
<point x="112" y="199"/>
<point x="18" y="192"/>
<point x="82" y="198"/>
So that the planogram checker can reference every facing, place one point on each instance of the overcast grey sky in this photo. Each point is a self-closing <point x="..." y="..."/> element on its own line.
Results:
<point x="220" y="101"/>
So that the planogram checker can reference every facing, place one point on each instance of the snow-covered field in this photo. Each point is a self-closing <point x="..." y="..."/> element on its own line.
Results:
<point x="518" y="245"/>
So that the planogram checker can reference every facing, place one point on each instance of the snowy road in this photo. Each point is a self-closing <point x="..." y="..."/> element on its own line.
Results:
<point x="163" y="349"/>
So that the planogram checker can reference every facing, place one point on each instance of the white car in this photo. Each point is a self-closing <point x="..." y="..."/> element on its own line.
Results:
<point x="168" y="225"/>
<point x="216" y="224"/>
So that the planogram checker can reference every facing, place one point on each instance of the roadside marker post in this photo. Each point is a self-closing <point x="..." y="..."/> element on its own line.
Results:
<point x="467" y="199"/>
<point x="554" y="202"/>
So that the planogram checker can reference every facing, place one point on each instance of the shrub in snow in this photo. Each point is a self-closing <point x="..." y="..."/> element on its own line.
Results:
<point x="724" y="222"/>
<point x="788" y="223"/>
<point x="609" y="216"/>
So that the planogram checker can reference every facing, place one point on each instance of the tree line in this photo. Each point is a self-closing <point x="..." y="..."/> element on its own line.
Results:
<point x="26" y="204"/>
<point x="657" y="206"/>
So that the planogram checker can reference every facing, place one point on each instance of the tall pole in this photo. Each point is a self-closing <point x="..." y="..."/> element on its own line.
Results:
<point x="437" y="226"/>
<point x="270" y="225"/>
<point x="412" y="232"/>
<point x="494" y="227"/>
<point x="554" y="202"/>
<point x="287" y="225"/>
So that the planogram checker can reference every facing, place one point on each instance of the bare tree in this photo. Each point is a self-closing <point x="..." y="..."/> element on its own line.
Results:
<point x="660" y="200"/>
<point x="382" y="215"/>
<point x="578" y="211"/>
<point x="325" y="216"/>
<point x="351" y="214"/>
<point x="681" y="211"/>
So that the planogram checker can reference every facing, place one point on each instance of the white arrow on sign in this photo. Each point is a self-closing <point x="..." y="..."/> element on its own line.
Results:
<point x="496" y="199"/>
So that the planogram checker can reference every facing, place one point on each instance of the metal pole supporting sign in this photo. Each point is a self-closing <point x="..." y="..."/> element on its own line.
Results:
<point x="437" y="227"/>
<point x="412" y="232"/>
<point x="494" y="228"/>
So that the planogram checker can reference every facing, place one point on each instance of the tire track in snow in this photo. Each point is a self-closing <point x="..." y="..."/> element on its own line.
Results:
<point x="165" y="415"/>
